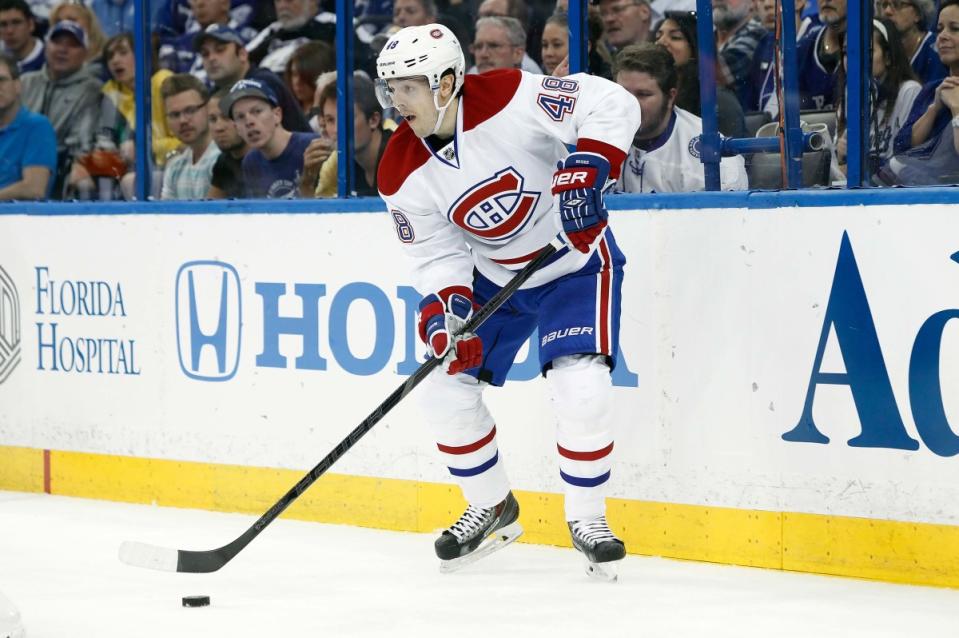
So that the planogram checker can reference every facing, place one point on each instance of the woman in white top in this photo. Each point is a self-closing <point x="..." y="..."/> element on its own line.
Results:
<point x="894" y="88"/>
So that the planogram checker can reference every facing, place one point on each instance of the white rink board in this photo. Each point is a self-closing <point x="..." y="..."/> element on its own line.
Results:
<point x="722" y="315"/>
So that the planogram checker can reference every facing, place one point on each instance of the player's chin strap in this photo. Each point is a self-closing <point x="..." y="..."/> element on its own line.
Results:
<point x="441" y="110"/>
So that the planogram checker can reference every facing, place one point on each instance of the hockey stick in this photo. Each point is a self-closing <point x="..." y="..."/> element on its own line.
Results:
<point x="199" y="562"/>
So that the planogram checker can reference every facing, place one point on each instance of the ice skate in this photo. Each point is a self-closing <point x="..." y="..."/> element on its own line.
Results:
<point x="599" y="546"/>
<point x="478" y="533"/>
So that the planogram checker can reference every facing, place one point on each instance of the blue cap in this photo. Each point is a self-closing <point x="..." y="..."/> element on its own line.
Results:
<point x="71" y="27"/>
<point x="247" y="88"/>
<point x="220" y="32"/>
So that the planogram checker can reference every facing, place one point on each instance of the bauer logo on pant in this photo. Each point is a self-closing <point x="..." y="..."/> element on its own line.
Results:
<point x="208" y="320"/>
<point x="9" y="326"/>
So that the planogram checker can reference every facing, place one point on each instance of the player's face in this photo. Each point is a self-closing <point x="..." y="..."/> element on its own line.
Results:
<point x="414" y="100"/>
<point x="491" y="49"/>
<point x="410" y="13"/>
<point x="187" y="115"/>
<point x="222" y="61"/>
<point x="625" y="21"/>
<point x="832" y="12"/>
<point x="256" y="120"/>
<point x="222" y="128"/>
<point x="670" y="37"/>
<point x="555" y="46"/>
<point x="947" y="40"/>
<point x="15" y="29"/>
<point x="654" y="105"/>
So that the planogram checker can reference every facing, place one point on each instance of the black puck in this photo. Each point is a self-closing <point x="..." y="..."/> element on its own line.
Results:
<point x="196" y="601"/>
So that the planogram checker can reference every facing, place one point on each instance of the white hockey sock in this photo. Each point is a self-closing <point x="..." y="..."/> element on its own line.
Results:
<point x="465" y="436"/>
<point x="581" y="390"/>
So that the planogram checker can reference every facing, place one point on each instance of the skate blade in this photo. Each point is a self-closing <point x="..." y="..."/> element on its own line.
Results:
<point x="496" y="541"/>
<point x="605" y="572"/>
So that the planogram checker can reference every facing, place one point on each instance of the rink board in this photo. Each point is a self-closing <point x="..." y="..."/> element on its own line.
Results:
<point x="144" y="389"/>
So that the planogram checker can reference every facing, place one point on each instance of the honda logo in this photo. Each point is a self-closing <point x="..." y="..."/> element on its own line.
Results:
<point x="208" y="320"/>
<point x="9" y="326"/>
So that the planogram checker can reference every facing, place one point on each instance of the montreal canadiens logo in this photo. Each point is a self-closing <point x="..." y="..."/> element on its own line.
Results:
<point x="495" y="209"/>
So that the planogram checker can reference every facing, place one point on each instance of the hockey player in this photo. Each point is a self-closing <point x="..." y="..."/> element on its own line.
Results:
<point x="478" y="176"/>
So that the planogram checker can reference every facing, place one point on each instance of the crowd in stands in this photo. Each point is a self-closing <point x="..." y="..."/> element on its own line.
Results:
<point x="244" y="95"/>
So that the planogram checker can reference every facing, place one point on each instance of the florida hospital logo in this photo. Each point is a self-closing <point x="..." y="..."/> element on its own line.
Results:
<point x="495" y="209"/>
<point x="208" y="320"/>
<point x="9" y="326"/>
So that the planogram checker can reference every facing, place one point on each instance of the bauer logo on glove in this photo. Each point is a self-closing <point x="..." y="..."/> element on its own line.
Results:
<point x="442" y="318"/>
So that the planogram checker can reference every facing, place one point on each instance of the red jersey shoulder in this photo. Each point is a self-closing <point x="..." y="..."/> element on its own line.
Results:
<point x="487" y="94"/>
<point x="404" y="154"/>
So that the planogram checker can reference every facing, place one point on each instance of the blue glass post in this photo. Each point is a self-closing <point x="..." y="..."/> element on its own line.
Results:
<point x="344" y="98"/>
<point x="858" y="80"/>
<point x="710" y="146"/>
<point x="143" y="53"/>
<point x="791" y="105"/>
<point x="578" y="37"/>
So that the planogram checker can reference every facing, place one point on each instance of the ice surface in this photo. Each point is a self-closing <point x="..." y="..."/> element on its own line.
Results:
<point x="58" y="562"/>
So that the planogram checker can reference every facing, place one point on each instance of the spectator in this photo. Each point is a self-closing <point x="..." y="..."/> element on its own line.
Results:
<point x="738" y="35"/>
<point x="227" y="179"/>
<point x="519" y="10"/>
<point x="664" y="157"/>
<point x="413" y="13"/>
<point x="818" y="57"/>
<point x="625" y="21"/>
<point x="82" y="15"/>
<point x="116" y="127"/>
<point x="187" y="174"/>
<point x="114" y="16"/>
<point x="500" y="44"/>
<point x="894" y="91"/>
<point x="17" y="27"/>
<point x="27" y="141"/>
<point x="274" y="164"/>
<point x="927" y="146"/>
<point x="556" y="46"/>
<point x="677" y="34"/>
<point x="298" y="22"/>
<point x="226" y="62"/>
<point x="174" y="18"/>
<point x="912" y="18"/>
<point x="179" y="53"/>
<point x="67" y="93"/>
<point x="763" y="74"/>
<point x="306" y="64"/>
<point x="370" y="135"/>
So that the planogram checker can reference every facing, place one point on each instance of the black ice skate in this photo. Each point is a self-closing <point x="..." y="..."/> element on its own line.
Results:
<point x="599" y="547"/>
<point x="477" y="533"/>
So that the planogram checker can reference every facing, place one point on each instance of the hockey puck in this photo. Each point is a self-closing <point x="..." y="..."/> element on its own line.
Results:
<point x="196" y="601"/>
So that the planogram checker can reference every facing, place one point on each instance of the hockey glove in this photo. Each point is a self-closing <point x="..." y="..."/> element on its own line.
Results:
<point x="579" y="183"/>
<point x="442" y="317"/>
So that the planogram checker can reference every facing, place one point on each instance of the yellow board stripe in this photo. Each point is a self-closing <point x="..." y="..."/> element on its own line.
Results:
<point x="917" y="553"/>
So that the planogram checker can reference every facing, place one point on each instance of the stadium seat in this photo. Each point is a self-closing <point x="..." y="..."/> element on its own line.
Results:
<point x="820" y="117"/>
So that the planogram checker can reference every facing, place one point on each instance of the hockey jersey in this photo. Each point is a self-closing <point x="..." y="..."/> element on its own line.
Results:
<point x="670" y="163"/>
<point x="484" y="199"/>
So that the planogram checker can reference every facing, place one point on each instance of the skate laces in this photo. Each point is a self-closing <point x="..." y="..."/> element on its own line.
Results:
<point x="593" y="532"/>
<point x="472" y="521"/>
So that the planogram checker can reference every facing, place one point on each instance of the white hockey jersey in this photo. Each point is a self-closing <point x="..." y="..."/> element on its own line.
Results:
<point x="670" y="163"/>
<point x="484" y="199"/>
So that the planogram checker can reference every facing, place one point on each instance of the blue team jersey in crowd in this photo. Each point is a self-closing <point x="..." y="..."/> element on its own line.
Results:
<point x="28" y="140"/>
<point x="280" y="177"/>
<point x="925" y="62"/>
<point x="816" y="83"/>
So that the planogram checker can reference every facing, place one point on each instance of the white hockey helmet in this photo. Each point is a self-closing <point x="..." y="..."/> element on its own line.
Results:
<point x="427" y="51"/>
